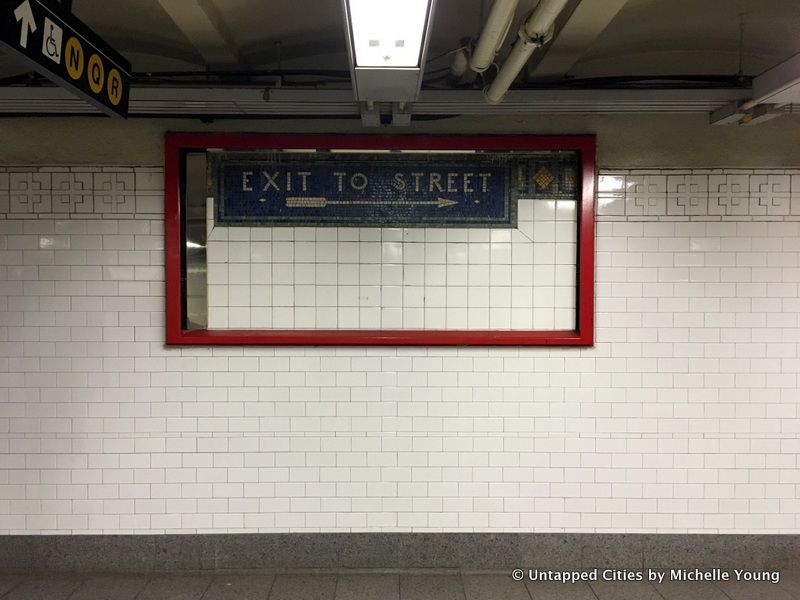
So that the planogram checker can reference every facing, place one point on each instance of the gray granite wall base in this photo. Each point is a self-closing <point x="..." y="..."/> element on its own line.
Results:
<point x="478" y="551"/>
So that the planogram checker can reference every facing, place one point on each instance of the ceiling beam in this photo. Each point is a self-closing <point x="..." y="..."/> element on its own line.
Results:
<point x="203" y="26"/>
<point x="252" y="102"/>
<point x="576" y="36"/>
<point x="780" y="84"/>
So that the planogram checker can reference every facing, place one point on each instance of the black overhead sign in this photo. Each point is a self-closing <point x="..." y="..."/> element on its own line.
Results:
<point x="62" y="48"/>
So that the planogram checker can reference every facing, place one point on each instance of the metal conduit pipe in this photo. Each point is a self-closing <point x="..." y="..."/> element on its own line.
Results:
<point x="536" y="32"/>
<point x="493" y="34"/>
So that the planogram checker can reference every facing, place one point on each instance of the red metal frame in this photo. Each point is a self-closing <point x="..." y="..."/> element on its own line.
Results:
<point x="583" y="335"/>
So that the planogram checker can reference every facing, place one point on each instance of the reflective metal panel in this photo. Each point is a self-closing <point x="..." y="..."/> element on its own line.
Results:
<point x="195" y="242"/>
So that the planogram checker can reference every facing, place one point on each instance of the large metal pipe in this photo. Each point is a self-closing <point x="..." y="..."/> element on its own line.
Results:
<point x="493" y="34"/>
<point x="536" y="32"/>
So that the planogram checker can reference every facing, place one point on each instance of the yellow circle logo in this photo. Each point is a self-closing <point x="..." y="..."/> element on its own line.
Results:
<point x="97" y="74"/>
<point x="114" y="87"/>
<point x="73" y="57"/>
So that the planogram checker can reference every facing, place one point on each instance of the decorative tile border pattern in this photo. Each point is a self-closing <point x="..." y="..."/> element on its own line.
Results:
<point x="702" y="194"/>
<point x="634" y="194"/>
<point x="80" y="191"/>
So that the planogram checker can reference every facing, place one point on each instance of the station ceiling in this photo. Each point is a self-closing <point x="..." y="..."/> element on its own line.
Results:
<point x="300" y="44"/>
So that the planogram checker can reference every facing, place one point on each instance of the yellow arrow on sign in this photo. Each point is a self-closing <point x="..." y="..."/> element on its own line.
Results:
<point x="321" y="202"/>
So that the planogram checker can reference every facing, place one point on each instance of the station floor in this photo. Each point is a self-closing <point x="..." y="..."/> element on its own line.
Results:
<point x="369" y="585"/>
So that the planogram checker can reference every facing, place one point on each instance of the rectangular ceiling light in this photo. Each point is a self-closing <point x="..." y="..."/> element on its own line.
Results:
<point x="387" y="40"/>
<point x="388" y="33"/>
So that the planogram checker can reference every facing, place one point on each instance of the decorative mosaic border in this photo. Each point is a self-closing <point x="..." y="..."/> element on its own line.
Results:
<point x="699" y="194"/>
<point x="636" y="194"/>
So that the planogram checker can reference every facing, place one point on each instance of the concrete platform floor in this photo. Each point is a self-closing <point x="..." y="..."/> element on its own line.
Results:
<point x="368" y="585"/>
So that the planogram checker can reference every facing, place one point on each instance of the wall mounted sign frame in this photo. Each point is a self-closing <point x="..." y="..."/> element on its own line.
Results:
<point x="179" y="146"/>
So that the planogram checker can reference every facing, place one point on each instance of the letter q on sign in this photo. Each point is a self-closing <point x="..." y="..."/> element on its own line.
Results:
<point x="97" y="74"/>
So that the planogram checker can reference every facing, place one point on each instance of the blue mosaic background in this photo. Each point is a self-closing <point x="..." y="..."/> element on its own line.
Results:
<point x="386" y="190"/>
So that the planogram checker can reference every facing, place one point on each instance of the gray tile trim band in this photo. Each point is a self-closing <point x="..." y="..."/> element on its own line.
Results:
<point x="470" y="551"/>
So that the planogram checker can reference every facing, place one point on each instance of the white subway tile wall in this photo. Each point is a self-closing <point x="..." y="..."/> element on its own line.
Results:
<point x="682" y="418"/>
<point x="412" y="278"/>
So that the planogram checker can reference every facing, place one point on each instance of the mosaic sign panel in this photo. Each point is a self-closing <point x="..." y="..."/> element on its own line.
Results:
<point x="385" y="189"/>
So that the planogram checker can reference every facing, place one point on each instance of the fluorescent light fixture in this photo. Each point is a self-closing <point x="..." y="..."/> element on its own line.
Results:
<point x="388" y="33"/>
<point x="387" y="41"/>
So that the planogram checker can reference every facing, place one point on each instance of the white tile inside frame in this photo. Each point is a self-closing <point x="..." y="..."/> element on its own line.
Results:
<point x="398" y="278"/>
